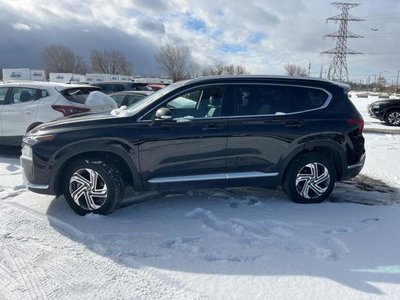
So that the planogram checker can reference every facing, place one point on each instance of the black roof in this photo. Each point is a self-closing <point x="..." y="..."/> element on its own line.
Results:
<point x="264" y="77"/>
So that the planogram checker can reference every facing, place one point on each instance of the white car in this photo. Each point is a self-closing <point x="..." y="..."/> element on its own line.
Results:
<point x="25" y="105"/>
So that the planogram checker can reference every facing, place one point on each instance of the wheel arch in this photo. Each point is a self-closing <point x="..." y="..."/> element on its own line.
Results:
<point x="32" y="126"/>
<point x="332" y="150"/>
<point x="113" y="152"/>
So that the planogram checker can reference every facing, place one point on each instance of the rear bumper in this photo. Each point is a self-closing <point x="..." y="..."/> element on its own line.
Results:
<point x="354" y="170"/>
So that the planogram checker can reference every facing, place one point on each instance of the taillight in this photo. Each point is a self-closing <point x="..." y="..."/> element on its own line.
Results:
<point x="67" y="110"/>
<point x="358" y="122"/>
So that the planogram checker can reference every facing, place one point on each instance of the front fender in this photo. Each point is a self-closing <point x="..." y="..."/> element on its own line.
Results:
<point x="125" y="151"/>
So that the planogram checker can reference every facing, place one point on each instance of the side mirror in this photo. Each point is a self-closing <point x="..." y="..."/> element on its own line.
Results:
<point x="163" y="114"/>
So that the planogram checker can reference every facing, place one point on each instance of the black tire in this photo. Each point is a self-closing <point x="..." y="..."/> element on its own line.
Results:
<point x="392" y="117"/>
<point x="301" y="180"/>
<point x="105" y="195"/>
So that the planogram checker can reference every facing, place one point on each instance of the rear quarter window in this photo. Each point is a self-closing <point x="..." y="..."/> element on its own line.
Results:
<point x="305" y="98"/>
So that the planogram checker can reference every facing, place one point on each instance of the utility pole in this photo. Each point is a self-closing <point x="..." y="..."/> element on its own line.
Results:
<point x="309" y="69"/>
<point x="338" y="67"/>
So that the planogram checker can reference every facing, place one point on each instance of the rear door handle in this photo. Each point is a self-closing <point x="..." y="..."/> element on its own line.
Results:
<point x="294" y="123"/>
<point x="213" y="127"/>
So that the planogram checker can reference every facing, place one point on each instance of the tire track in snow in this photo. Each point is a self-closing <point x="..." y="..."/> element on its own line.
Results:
<point x="65" y="269"/>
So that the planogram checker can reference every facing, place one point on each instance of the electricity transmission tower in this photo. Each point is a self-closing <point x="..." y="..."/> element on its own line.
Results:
<point x="338" y="67"/>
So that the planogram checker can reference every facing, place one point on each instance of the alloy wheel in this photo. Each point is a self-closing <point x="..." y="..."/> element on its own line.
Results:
<point x="394" y="118"/>
<point x="312" y="180"/>
<point x="88" y="189"/>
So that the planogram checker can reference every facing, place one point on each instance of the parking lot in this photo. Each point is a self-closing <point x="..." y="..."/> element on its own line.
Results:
<point x="207" y="243"/>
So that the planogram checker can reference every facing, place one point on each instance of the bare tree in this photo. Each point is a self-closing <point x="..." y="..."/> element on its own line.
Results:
<point x="58" y="58"/>
<point x="175" y="60"/>
<point x="295" y="70"/>
<point x="224" y="69"/>
<point x="110" y="62"/>
<point x="193" y="70"/>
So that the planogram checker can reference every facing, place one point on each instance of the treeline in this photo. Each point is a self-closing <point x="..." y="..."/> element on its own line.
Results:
<point x="61" y="59"/>
<point x="176" y="62"/>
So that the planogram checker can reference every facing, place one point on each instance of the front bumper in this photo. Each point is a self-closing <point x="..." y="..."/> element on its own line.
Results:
<point x="375" y="112"/>
<point x="35" y="178"/>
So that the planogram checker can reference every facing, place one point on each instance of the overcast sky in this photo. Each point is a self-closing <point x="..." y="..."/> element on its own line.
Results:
<point x="262" y="35"/>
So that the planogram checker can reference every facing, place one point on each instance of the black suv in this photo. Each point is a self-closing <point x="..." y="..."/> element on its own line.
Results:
<point x="386" y="110"/>
<point x="299" y="133"/>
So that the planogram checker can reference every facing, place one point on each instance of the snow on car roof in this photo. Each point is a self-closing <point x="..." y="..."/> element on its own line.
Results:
<point x="43" y="84"/>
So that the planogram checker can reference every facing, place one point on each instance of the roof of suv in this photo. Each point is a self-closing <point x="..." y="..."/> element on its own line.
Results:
<point x="270" y="77"/>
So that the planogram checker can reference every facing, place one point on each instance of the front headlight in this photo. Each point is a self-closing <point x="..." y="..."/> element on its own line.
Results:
<point x="26" y="151"/>
<point x="33" y="139"/>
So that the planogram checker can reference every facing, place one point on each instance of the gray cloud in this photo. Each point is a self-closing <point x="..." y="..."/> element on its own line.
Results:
<point x="156" y="5"/>
<point x="23" y="48"/>
<point x="151" y="26"/>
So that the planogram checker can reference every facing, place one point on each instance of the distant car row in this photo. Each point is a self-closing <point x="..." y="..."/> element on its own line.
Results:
<point x="375" y="94"/>
<point x="25" y="105"/>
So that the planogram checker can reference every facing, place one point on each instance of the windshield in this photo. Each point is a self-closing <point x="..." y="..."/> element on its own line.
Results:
<point x="142" y="103"/>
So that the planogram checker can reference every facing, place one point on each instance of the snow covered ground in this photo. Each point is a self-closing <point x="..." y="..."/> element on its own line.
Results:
<point x="219" y="244"/>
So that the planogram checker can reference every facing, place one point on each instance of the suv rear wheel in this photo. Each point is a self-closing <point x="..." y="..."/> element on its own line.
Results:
<point x="310" y="178"/>
<point x="93" y="187"/>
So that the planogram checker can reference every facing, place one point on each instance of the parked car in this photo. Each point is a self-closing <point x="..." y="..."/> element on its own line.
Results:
<point x="119" y="86"/>
<point x="362" y="95"/>
<point x="25" y="105"/>
<point x="387" y="111"/>
<point x="301" y="133"/>
<point x="156" y="87"/>
<point x="129" y="97"/>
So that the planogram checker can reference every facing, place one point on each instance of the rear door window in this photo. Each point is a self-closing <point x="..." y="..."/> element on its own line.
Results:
<point x="23" y="94"/>
<point x="3" y="94"/>
<point x="261" y="100"/>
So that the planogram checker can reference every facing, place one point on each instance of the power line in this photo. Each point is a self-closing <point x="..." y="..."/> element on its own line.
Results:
<point x="338" y="67"/>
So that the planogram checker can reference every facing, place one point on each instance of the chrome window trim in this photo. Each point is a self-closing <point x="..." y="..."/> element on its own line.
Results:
<point x="325" y="105"/>
<point x="218" y="176"/>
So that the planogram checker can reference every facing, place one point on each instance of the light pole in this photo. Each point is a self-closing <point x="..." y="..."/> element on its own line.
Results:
<point x="380" y="79"/>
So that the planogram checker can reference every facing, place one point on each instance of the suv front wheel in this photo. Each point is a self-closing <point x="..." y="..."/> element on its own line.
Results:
<point x="309" y="178"/>
<point x="392" y="118"/>
<point x="93" y="186"/>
